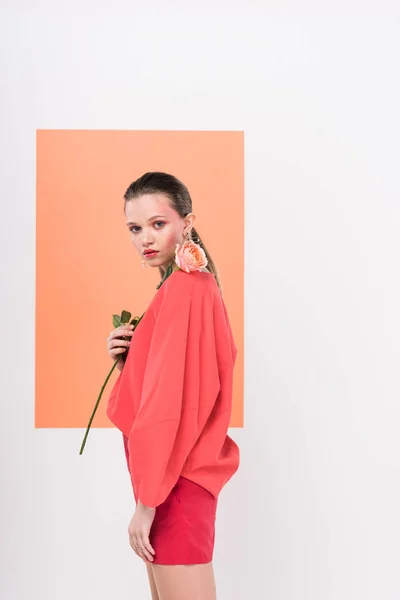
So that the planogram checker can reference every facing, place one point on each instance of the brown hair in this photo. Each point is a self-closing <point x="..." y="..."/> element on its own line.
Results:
<point x="178" y="194"/>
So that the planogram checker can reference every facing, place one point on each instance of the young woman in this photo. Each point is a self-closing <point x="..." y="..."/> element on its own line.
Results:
<point x="173" y="397"/>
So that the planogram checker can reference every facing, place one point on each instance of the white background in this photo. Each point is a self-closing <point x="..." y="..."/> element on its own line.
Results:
<point x="313" y="513"/>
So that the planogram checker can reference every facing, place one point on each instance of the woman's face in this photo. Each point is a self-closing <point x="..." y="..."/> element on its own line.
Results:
<point x="155" y="225"/>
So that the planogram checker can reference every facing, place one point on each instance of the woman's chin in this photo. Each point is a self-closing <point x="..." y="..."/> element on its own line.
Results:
<point x="158" y="261"/>
<point x="153" y="261"/>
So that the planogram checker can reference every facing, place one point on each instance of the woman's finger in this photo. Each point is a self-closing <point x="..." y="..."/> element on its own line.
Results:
<point x="117" y="333"/>
<point x="116" y="343"/>
<point x="132" y="542"/>
<point x="135" y="546"/>
<point x="146" y="543"/>
<point x="122" y="331"/>
<point x="116" y="339"/>
<point x="146" y="553"/>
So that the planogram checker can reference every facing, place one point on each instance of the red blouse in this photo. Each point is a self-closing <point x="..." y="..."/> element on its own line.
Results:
<point x="173" y="398"/>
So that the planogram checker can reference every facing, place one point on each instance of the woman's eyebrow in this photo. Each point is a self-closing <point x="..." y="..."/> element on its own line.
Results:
<point x="151" y="218"/>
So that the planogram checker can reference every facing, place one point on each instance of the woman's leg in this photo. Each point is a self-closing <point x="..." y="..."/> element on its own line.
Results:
<point x="153" y="587"/>
<point x="184" y="582"/>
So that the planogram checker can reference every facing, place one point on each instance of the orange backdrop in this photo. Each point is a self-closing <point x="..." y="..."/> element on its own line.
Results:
<point x="87" y="268"/>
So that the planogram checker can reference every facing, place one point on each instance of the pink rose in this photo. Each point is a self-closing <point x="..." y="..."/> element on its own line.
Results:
<point x="190" y="257"/>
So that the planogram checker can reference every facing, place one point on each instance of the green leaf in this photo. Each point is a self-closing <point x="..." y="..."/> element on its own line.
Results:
<point x="116" y="321"/>
<point x="125" y="316"/>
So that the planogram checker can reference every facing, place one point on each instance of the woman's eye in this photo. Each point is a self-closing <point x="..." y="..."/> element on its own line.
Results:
<point x="136" y="228"/>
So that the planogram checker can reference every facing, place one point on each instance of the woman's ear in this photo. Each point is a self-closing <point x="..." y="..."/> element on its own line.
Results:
<point x="190" y="219"/>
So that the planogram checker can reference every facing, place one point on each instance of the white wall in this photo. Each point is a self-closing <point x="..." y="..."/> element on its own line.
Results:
<point x="313" y="513"/>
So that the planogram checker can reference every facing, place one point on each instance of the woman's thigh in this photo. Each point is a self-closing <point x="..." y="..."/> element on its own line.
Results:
<point x="181" y="582"/>
<point x="153" y="587"/>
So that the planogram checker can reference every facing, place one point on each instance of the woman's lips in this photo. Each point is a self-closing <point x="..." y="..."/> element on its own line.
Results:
<point x="150" y="254"/>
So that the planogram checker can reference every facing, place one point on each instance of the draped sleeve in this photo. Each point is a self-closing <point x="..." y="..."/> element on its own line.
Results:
<point x="181" y="377"/>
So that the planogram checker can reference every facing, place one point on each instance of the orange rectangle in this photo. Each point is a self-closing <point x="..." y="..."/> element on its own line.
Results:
<point x="87" y="268"/>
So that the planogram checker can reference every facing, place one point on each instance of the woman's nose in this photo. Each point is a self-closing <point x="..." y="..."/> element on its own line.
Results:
<point x="147" y="237"/>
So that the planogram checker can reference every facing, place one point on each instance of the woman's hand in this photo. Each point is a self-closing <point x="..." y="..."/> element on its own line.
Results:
<point x="118" y="342"/>
<point x="139" y="531"/>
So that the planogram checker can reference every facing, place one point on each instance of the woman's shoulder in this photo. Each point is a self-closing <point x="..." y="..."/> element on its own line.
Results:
<point x="181" y="288"/>
<point x="194" y="282"/>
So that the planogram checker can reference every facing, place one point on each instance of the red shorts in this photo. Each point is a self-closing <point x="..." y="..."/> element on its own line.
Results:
<point x="183" y="530"/>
